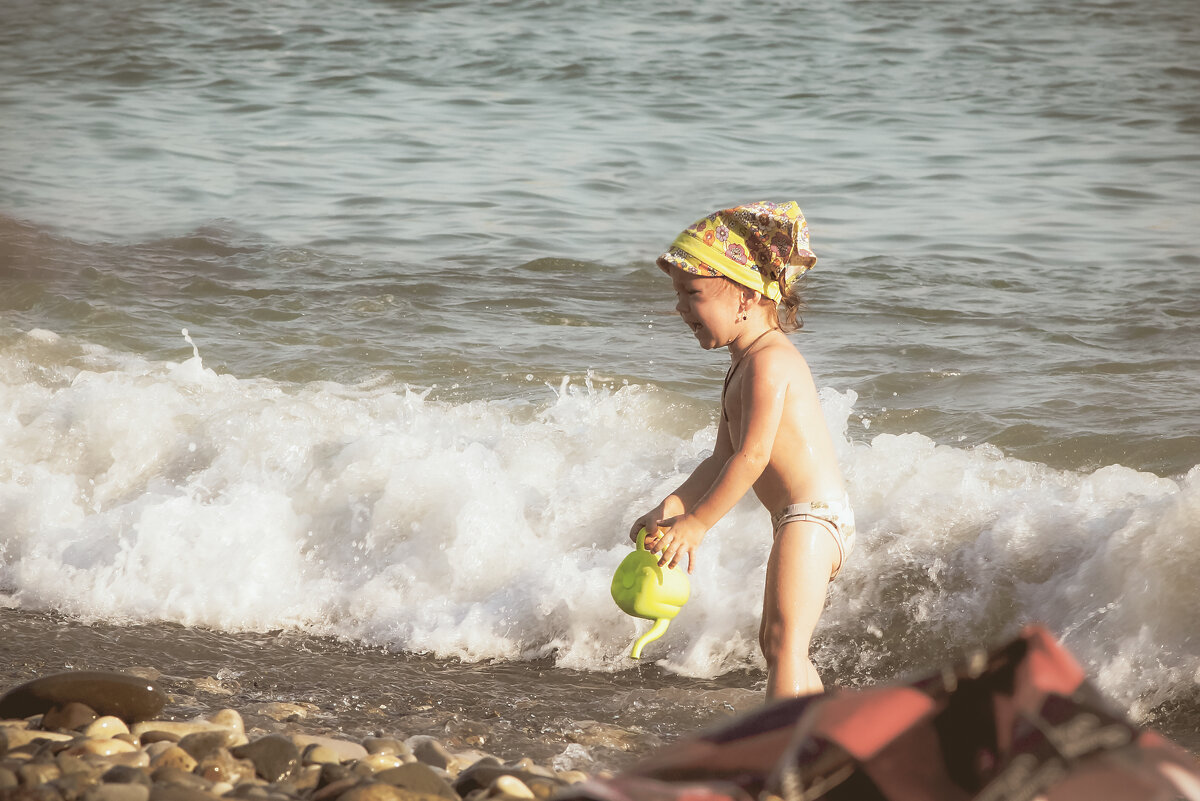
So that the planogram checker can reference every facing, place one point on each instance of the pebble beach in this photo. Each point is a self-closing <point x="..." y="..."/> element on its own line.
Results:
<point x="335" y="366"/>
<point x="106" y="736"/>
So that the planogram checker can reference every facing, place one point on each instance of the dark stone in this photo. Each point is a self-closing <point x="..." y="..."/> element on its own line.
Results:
<point x="480" y="777"/>
<point x="333" y="773"/>
<point x="181" y="778"/>
<point x="118" y="694"/>
<point x="158" y="737"/>
<point x="126" y="774"/>
<point x="335" y="789"/>
<point x="275" y="757"/>
<point x="42" y="792"/>
<point x="178" y="792"/>
<point x="68" y="717"/>
<point x="73" y="786"/>
<point x="200" y="744"/>
<point x="431" y="752"/>
<point x="418" y="777"/>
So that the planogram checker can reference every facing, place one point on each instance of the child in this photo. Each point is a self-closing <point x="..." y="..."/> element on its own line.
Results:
<point x="733" y="272"/>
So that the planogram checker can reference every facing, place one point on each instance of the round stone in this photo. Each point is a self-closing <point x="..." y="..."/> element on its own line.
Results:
<point x="419" y="778"/>
<point x="127" y="697"/>
<point x="173" y="757"/>
<point x="106" y="727"/>
<point x="317" y="754"/>
<point x="101" y="748"/>
<point x="345" y="749"/>
<point x="386" y="745"/>
<point x="222" y="766"/>
<point x="510" y="786"/>
<point x="68" y="717"/>
<point x="124" y="774"/>
<point x="118" y="792"/>
<point x="202" y="743"/>
<point x="430" y="751"/>
<point x="374" y="791"/>
<point x="275" y="757"/>
<point x="378" y="762"/>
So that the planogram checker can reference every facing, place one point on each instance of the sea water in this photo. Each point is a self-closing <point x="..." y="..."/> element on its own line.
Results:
<point x="332" y="351"/>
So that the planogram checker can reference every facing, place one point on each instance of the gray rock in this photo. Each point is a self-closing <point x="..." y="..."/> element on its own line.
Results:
<point x="331" y="773"/>
<point x="121" y="695"/>
<point x="482" y="776"/>
<point x="68" y="717"/>
<point x="430" y="751"/>
<point x="164" y="776"/>
<point x="386" y="745"/>
<point x="179" y="792"/>
<point x="124" y="774"/>
<point x="202" y="744"/>
<point x="275" y="757"/>
<point x="419" y="778"/>
<point x="118" y="792"/>
<point x="374" y="791"/>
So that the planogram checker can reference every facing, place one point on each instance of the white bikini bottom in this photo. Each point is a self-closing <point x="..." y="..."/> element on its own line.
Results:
<point x="835" y="516"/>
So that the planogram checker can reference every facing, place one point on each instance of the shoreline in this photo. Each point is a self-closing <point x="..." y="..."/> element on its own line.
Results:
<point x="72" y="751"/>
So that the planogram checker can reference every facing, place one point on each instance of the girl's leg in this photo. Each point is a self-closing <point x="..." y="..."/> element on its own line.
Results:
<point x="802" y="559"/>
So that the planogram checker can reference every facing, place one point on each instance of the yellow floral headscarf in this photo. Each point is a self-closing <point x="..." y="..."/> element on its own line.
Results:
<point x="763" y="246"/>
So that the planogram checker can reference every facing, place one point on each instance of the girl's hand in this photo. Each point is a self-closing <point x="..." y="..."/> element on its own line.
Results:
<point x="670" y="507"/>
<point x="675" y="537"/>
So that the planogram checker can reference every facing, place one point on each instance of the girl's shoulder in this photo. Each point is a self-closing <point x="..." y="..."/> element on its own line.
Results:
<point x="779" y="361"/>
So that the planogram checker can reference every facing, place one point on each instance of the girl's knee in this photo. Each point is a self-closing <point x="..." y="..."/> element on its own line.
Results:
<point x="776" y="639"/>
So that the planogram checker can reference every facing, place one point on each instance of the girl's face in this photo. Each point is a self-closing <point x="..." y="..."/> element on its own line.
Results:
<point x="708" y="305"/>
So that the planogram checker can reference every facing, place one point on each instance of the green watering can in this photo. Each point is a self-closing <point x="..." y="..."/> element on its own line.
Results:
<point x="643" y="589"/>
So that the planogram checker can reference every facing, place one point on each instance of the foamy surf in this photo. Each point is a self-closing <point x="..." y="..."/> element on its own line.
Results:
<point x="134" y="490"/>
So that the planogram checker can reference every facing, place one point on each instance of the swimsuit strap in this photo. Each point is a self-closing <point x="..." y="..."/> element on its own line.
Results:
<point x="733" y="369"/>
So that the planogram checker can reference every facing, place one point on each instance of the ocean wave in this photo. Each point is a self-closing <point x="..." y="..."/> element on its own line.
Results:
<point x="140" y="490"/>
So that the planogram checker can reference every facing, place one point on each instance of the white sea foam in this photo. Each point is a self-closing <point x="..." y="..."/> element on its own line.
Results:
<point x="135" y="490"/>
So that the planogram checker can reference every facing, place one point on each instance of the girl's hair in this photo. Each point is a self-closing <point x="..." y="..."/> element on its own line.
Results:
<point x="789" y="309"/>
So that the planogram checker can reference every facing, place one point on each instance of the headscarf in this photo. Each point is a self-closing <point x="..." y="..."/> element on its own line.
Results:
<point x="763" y="246"/>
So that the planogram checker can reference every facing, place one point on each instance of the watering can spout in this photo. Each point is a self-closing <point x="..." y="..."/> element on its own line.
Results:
<point x="657" y="630"/>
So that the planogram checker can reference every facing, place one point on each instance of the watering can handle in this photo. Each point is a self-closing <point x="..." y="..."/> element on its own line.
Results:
<point x="641" y="540"/>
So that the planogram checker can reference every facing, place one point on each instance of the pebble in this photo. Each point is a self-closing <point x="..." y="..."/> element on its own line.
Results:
<point x="275" y="757"/>
<point x="124" y="774"/>
<point x="317" y="754"/>
<point x="173" y="757"/>
<point x="102" y="748"/>
<point x="430" y="751"/>
<point x="345" y="749"/>
<point x="222" y="766"/>
<point x="418" y="777"/>
<point x="374" y="791"/>
<point x="11" y="738"/>
<point x="118" y="792"/>
<point x="378" y="762"/>
<point x="200" y="744"/>
<point x="386" y="745"/>
<point x="105" y="727"/>
<point x="68" y="717"/>
<point x="127" y="697"/>
<point x="510" y="786"/>
<point x="103" y="751"/>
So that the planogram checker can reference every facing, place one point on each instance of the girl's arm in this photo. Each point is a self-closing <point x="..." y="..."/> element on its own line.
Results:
<point x="763" y="392"/>
<point x="690" y="491"/>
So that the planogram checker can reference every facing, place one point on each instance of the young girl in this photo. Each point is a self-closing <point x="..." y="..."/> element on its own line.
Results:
<point x="734" y="272"/>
